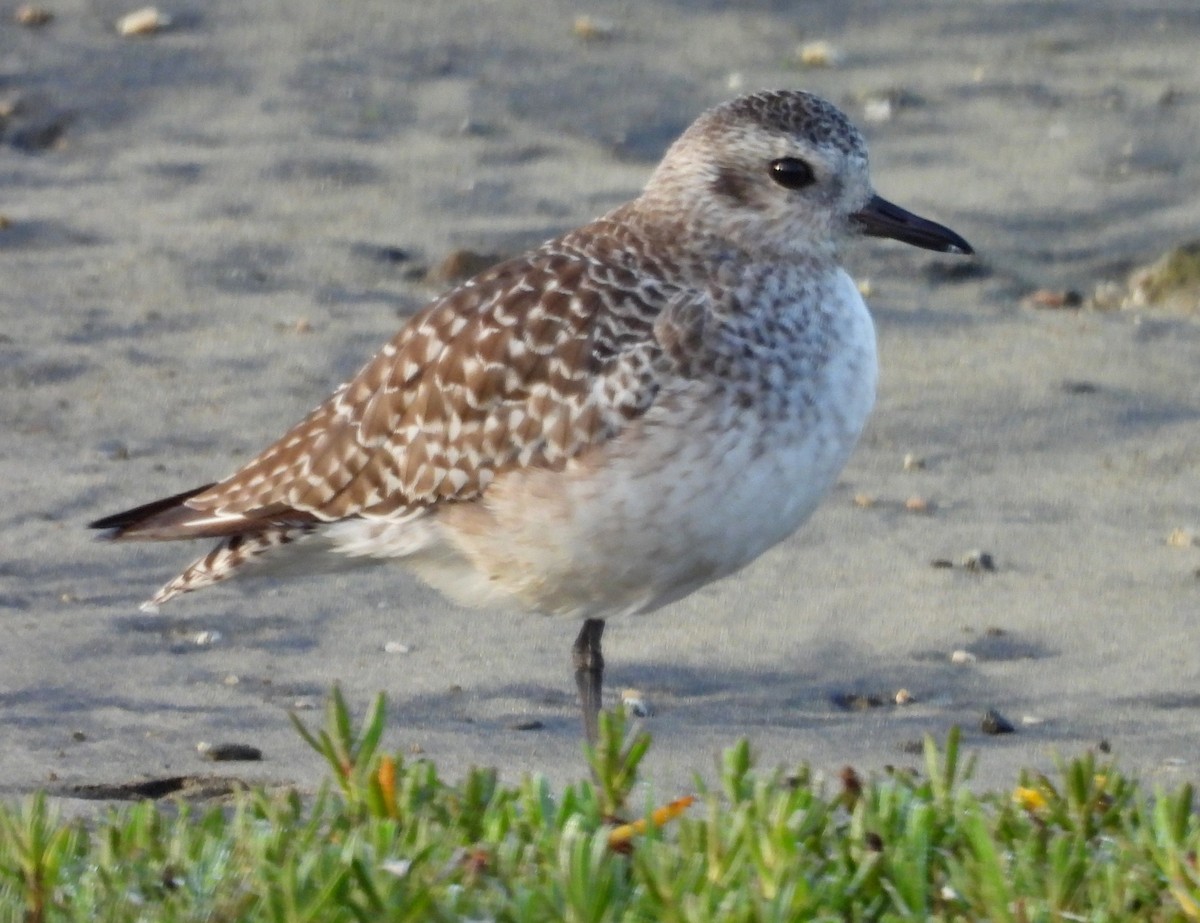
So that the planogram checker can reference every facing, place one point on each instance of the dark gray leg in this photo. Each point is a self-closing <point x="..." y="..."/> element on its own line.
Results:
<point x="589" y="675"/>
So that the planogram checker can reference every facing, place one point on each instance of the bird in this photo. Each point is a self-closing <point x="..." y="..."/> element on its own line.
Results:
<point x="609" y="421"/>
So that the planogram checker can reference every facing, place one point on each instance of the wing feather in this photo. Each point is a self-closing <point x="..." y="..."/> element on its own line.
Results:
<point x="528" y="364"/>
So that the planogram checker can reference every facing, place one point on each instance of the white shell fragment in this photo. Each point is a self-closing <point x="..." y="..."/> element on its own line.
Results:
<point x="145" y="21"/>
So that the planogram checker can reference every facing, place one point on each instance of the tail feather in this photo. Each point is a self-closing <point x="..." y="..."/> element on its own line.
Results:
<point x="225" y="560"/>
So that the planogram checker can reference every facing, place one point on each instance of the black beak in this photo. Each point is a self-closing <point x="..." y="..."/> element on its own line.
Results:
<point x="880" y="218"/>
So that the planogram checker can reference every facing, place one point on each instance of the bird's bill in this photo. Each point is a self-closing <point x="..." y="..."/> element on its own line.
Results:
<point x="880" y="218"/>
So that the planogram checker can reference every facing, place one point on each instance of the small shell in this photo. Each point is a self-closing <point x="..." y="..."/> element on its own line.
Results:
<point x="1182" y="538"/>
<point x="591" y="29"/>
<point x="963" y="657"/>
<point x="396" y="647"/>
<point x="32" y="16"/>
<point x="904" y="697"/>
<point x="818" y="54"/>
<point x="913" y="462"/>
<point x="205" y="638"/>
<point x="145" y="21"/>
<point x="1053" y="299"/>
<point x="878" y="109"/>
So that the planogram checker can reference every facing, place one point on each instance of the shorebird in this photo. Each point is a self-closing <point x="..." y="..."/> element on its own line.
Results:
<point x="605" y="423"/>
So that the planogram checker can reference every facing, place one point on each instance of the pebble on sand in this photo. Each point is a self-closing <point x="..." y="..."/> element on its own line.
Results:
<point x="634" y="702"/>
<point x="995" y="723"/>
<point x="32" y="16"/>
<point x="591" y="29"/>
<point x="1183" y="538"/>
<point x="221" y="753"/>
<point x="818" y="54"/>
<point x="146" y="21"/>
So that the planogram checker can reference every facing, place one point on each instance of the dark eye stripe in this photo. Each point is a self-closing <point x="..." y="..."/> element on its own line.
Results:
<point x="792" y="173"/>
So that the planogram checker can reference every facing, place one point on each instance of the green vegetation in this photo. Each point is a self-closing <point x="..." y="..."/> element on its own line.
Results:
<point x="387" y="840"/>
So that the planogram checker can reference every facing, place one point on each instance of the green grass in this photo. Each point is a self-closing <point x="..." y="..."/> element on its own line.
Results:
<point x="387" y="840"/>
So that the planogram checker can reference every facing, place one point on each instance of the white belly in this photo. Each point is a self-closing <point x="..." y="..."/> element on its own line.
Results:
<point x="694" y="490"/>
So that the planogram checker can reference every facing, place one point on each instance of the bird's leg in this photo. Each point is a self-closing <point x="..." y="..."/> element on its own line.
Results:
<point x="589" y="675"/>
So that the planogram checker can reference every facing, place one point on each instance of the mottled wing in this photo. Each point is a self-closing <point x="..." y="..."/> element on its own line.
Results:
<point x="527" y="364"/>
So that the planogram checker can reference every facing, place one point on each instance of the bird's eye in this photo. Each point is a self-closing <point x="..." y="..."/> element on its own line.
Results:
<point x="792" y="172"/>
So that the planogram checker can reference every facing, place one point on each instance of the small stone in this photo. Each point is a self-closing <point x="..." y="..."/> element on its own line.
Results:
<point x="818" y="54"/>
<point x="995" y="723"/>
<point x="146" y="21"/>
<point x="415" y="749"/>
<point x="1182" y="538"/>
<point x="978" y="561"/>
<point x="32" y="16"/>
<point x="904" y="697"/>
<point x="206" y="638"/>
<point x="78" y="736"/>
<point x="5" y="222"/>
<point x="913" y="462"/>
<point x="231" y="680"/>
<point x="865" y="288"/>
<point x="857" y="701"/>
<point x="225" y="753"/>
<point x="304" y="703"/>
<point x="1032" y="720"/>
<point x="864" y="501"/>
<point x="918" y="505"/>
<point x="635" y="703"/>
<point x="68" y="597"/>
<point x="941" y="563"/>
<point x="396" y="647"/>
<point x="1053" y="299"/>
<point x="1104" y="746"/>
<point x="591" y="29"/>
<point x="113" y="450"/>
<point x="878" y="109"/>
<point x="962" y="657"/>
<point x="384" y="254"/>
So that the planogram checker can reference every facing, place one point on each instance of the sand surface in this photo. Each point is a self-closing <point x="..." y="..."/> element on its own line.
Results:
<point x="209" y="228"/>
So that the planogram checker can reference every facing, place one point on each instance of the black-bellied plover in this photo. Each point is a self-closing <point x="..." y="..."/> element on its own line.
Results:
<point x="608" y="422"/>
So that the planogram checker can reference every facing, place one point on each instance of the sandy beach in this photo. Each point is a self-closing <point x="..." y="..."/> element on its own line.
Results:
<point x="204" y="230"/>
